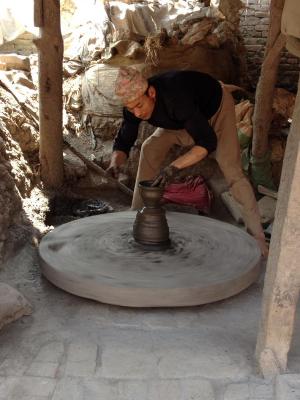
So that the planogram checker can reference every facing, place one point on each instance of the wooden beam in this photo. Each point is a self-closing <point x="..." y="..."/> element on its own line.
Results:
<point x="262" y="116"/>
<point x="50" y="50"/>
<point x="38" y="13"/>
<point x="282" y="281"/>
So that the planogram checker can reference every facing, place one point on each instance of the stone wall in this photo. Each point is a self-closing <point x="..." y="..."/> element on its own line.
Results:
<point x="254" y="28"/>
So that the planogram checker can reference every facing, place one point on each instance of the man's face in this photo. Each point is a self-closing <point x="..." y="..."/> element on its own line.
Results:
<point x="143" y="106"/>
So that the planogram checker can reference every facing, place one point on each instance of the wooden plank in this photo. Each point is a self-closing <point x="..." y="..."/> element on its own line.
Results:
<point x="99" y="170"/>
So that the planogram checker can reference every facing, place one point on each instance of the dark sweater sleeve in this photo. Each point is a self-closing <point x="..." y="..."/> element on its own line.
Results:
<point x="202" y="133"/>
<point x="127" y="133"/>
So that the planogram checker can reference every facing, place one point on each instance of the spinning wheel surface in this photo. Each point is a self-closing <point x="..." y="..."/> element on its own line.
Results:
<point x="96" y="257"/>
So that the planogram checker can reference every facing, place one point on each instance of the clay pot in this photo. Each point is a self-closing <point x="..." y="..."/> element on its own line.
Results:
<point x="150" y="225"/>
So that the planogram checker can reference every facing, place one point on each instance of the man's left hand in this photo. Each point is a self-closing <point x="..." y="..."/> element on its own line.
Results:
<point x="166" y="176"/>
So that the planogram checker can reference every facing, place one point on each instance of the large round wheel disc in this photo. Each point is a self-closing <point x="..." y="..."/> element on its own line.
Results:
<point x="97" y="257"/>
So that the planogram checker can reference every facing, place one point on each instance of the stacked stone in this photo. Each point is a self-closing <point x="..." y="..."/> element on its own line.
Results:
<point x="254" y="28"/>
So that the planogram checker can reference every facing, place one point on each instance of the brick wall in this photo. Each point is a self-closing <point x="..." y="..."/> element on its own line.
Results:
<point x="254" y="28"/>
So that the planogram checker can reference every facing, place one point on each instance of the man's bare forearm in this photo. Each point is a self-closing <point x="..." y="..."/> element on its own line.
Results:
<point x="196" y="154"/>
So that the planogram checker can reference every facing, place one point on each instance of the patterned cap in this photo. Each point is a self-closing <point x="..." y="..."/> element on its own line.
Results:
<point x="130" y="84"/>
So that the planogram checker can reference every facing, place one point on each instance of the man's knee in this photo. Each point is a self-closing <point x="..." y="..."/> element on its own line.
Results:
<point x="232" y="173"/>
<point x="148" y="144"/>
<point x="154" y="145"/>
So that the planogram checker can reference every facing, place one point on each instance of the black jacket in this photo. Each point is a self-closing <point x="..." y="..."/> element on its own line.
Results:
<point x="184" y="100"/>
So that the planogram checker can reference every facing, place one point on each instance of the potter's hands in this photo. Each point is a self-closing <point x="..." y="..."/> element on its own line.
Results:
<point x="166" y="176"/>
<point x="262" y="244"/>
<point x="118" y="158"/>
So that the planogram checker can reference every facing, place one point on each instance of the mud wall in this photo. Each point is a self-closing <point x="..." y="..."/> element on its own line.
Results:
<point x="18" y="143"/>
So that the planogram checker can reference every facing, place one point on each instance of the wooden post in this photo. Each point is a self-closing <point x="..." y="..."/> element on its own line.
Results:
<point x="50" y="50"/>
<point x="282" y="279"/>
<point x="262" y="116"/>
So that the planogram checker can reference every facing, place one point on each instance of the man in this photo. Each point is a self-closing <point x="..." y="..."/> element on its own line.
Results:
<point x="192" y="110"/>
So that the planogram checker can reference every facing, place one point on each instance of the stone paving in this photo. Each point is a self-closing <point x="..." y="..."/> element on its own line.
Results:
<point x="81" y="370"/>
<point x="76" y="349"/>
<point x="287" y="387"/>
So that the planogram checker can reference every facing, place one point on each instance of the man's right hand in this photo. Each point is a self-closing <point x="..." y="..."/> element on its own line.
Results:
<point x="118" y="158"/>
<point x="166" y="176"/>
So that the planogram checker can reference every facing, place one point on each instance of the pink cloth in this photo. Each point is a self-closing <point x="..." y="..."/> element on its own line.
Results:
<point x="193" y="192"/>
<point x="130" y="84"/>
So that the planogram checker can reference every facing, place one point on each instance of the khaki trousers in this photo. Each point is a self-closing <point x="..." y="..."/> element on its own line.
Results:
<point x="154" y="151"/>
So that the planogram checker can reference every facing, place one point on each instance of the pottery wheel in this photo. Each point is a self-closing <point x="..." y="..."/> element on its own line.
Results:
<point x="96" y="257"/>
